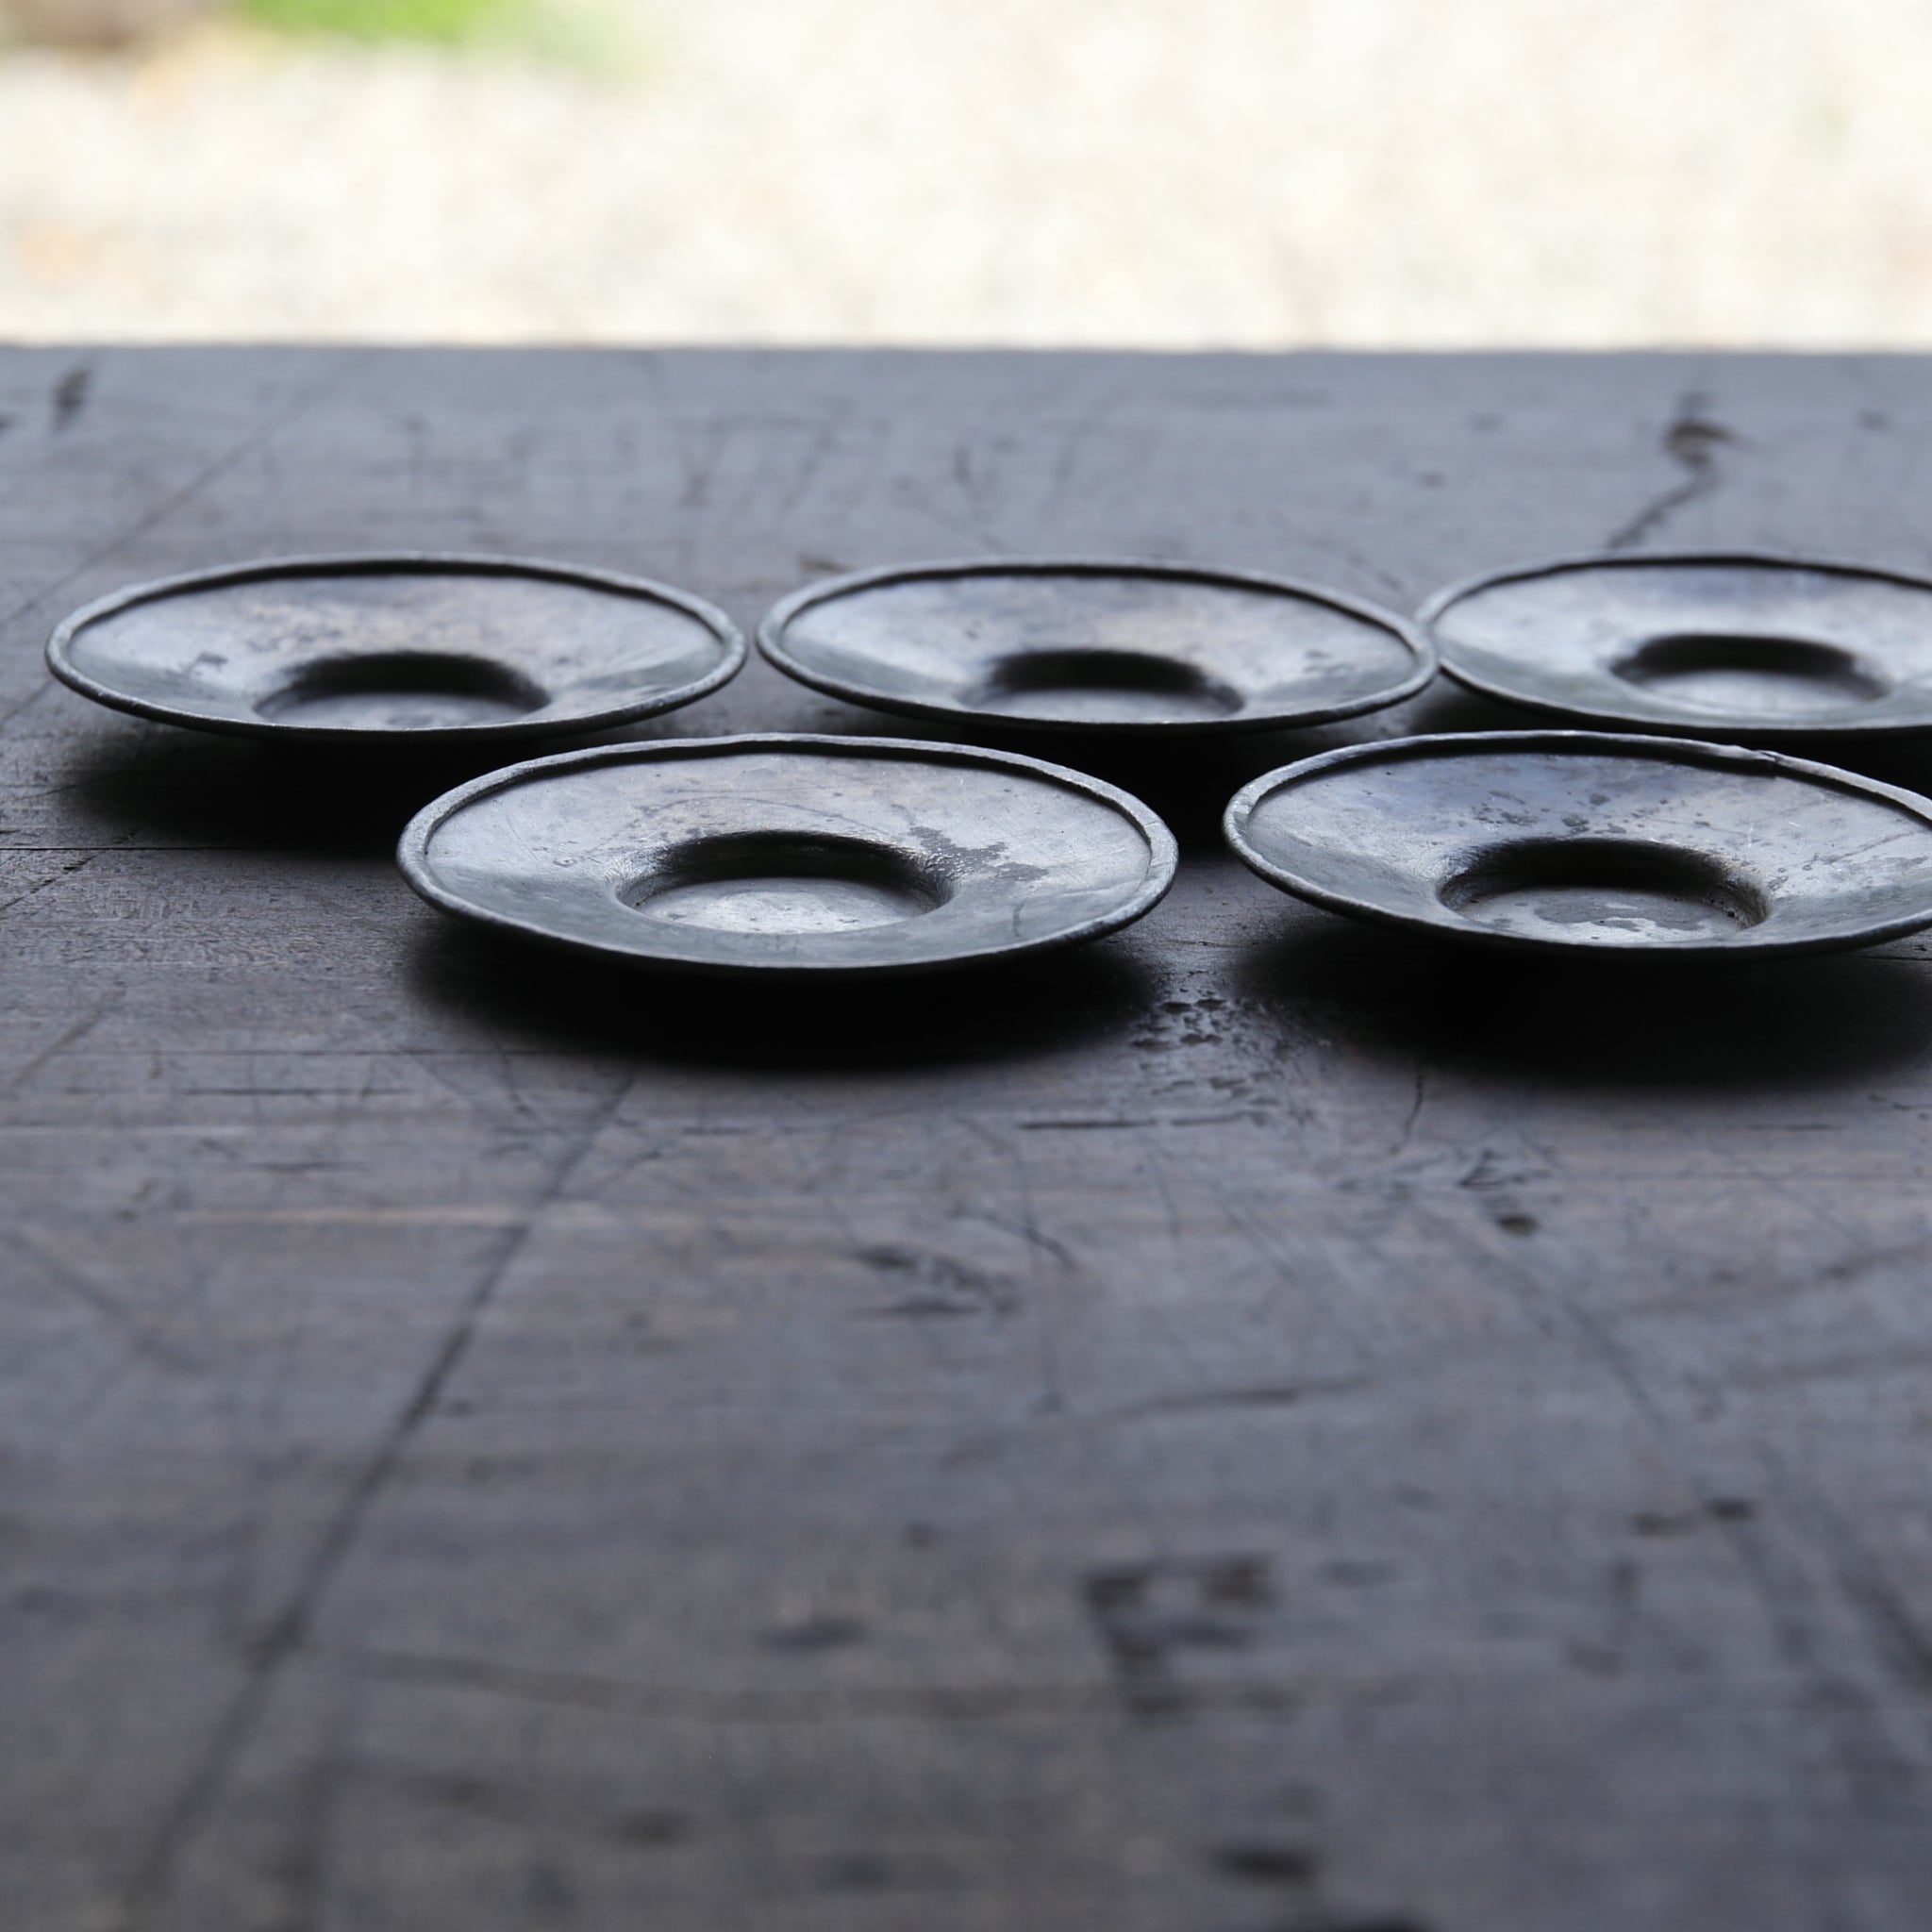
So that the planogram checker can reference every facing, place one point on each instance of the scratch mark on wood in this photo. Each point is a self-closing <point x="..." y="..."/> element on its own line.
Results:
<point x="141" y="1342"/>
<point x="1047" y="1244"/>
<point x="181" y="1825"/>
<point x="917" y="1703"/>
<point x="1902" y="1639"/>
<point x="72" y="1036"/>
<point x="66" y="872"/>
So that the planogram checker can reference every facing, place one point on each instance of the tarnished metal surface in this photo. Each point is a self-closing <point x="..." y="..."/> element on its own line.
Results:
<point x="1574" y="839"/>
<point x="1759" y="649"/>
<point x="354" y="649"/>
<point x="820" y="855"/>
<point x="1091" y="646"/>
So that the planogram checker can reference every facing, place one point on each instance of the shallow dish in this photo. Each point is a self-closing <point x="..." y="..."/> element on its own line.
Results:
<point x="1756" y="648"/>
<point x="1577" y="839"/>
<point x="410" y="646"/>
<point x="821" y="856"/>
<point x="1094" y="647"/>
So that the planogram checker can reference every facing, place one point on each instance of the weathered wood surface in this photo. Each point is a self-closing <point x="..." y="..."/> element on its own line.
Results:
<point x="1256" y="1427"/>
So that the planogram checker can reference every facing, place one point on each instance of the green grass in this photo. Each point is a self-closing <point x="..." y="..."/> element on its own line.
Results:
<point x="612" y="36"/>
<point x="442" y="23"/>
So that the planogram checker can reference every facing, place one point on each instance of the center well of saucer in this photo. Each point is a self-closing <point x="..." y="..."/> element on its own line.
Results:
<point x="1093" y="685"/>
<point x="1611" y="891"/>
<point x="1744" y="674"/>
<point x="401" y="690"/>
<point x="785" y="883"/>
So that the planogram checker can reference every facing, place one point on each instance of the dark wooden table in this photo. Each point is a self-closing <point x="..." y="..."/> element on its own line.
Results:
<point x="1256" y="1426"/>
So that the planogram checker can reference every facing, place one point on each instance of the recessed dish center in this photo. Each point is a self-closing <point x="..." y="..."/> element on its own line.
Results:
<point x="1612" y="892"/>
<point x="1773" y="677"/>
<point x="785" y="882"/>
<point x="403" y="691"/>
<point x="1091" y="685"/>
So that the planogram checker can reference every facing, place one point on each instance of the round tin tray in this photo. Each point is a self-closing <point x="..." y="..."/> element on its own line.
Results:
<point x="1756" y="648"/>
<point x="409" y="647"/>
<point x="1092" y="645"/>
<point x="1579" y="840"/>
<point x="821" y="856"/>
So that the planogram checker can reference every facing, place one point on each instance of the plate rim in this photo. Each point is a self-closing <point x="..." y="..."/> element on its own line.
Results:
<point x="773" y="625"/>
<point x="1439" y="601"/>
<point x="375" y="563"/>
<point x="1240" y="807"/>
<point x="1163" y="850"/>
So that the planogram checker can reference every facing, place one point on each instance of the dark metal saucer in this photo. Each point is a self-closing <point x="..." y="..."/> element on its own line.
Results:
<point x="1094" y="645"/>
<point x="1760" y="649"/>
<point x="1583" y="840"/>
<point x="820" y="856"/>
<point x="407" y="646"/>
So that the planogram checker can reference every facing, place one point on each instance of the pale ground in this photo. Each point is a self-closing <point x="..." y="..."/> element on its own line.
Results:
<point x="1170" y="173"/>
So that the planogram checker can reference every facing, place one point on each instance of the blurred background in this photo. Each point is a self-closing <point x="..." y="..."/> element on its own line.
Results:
<point x="1171" y="174"/>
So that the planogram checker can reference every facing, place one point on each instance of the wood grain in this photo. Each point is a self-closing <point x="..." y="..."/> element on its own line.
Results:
<point x="1255" y="1426"/>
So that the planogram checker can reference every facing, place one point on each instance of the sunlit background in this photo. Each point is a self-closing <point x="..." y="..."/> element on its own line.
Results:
<point x="1160" y="172"/>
